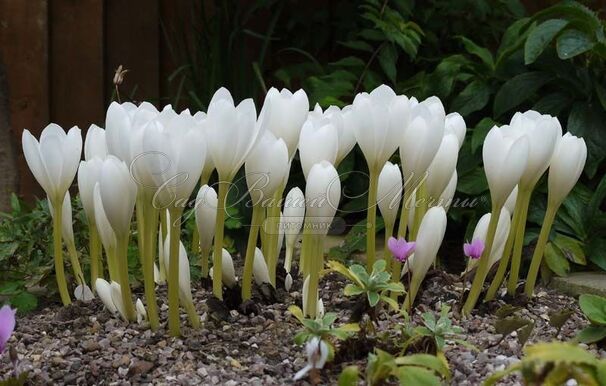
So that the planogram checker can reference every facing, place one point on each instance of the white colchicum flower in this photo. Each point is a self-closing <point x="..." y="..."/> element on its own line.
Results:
<point x="500" y="238"/>
<point x="343" y="126"/>
<point x="260" y="271"/>
<point x="116" y="294"/>
<point x="322" y="192"/>
<point x="317" y="355"/>
<point x="319" y="141"/>
<point x="455" y="124"/>
<point x="106" y="232"/>
<point x="288" y="112"/>
<point x="206" y="214"/>
<point x="54" y="160"/>
<point x="429" y="239"/>
<point x="95" y="145"/>
<point x="443" y="166"/>
<point x="447" y="195"/>
<point x="566" y="167"/>
<point x="266" y="167"/>
<point x="103" y="289"/>
<point x="141" y="312"/>
<point x="233" y="131"/>
<point x="288" y="282"/>
<point x="184" y="273"/>
<point x="389" y="192"/>
<point x="505" y="155"/>
<point x="118" y="193"/>
<point x="294" y="213"/>
<point x="510" y="203"/>
<point x="89" y="173"/>
<point x="380" y="116"/>
<point x="228" y="272"/>
<point x="67" y="227"/>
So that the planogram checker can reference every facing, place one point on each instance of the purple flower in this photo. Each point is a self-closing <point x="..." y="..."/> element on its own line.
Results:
<point x="474" y="249"/>
<point x="7" y="325"/>
<point x="400" y="248"/>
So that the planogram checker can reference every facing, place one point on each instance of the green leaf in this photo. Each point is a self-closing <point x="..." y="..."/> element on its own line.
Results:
<point x="556" y="261"/>
<point x="540" y="37"/>
<point x="510" y="324"/>
<point x="484" y="54"/>
<point x="573" y="42"/>
<point x="506" y="310"/>
<point x="425" y="360"/>
<point x="352" y="290"/>
<point x="473" y="183"/>
<point x="349" y="61"/>
<point x="559" y="352"/>
<point x="557" y="319"/>
<point x="591" y="334"/>
<point x="594" y="308"/>
<point x="373" y="298"/>
<point x="517" y="90"/>
<point x="552" y="104"/>
<point x="524" y="333"/>
<point x="571" y="248"/>
<point x="24" y="302"/>
<point x="417" y="376"/>
<point x="388" y="56"/>
<point x="473" y="98"/>
<point x="349" y="376"/>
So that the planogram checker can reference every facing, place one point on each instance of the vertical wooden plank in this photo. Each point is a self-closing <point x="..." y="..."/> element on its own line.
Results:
<point x="131" y="36"/>
<point x="24" y="47"/>
<point x="77" y="82"/>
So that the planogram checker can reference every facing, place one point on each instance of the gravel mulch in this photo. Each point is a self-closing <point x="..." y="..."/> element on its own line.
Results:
<point x="83" y="344"/>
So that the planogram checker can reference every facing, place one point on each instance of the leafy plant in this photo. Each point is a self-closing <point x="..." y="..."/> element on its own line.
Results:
<point x="554" y="364"/>
<point x="322" y="327"/>
<point x="507" y="322"/>
<point x="594" y="308"/>
<point x="440" y="332"/>
<point x="375" y="287"/>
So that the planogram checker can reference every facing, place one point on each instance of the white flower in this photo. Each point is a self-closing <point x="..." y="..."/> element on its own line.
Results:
<point x="317" y="355"/>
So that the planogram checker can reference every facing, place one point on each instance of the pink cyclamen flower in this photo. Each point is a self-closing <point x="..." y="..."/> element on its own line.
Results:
<point x="474" y="249"/>
<point x="400" y="248"/>
<point x="7" y="325"/>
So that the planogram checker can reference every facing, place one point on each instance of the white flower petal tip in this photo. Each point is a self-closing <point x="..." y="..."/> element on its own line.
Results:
<point x="83" y="293"/>
<point x="288" y="282"/>
<point x="141" y="312"/>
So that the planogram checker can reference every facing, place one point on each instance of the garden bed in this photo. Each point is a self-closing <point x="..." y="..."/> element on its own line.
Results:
<point x="84" y="344"/>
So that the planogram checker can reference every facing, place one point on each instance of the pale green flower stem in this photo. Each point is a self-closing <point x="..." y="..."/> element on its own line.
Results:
<point x="396" y="269"/>
<point x="413" y="288"/>
<point x="482" y="270"/>
<point x="273" y="237"/>
<point x="164" y="229"/>
<point x="150" y="226"/>
<point x="195" y="243"/>
<point x="219" y="229"/>
<point x="316" y="263"/>
<point x="112" y="265"/>
<point x="371" y="221"/>
<point x="58" y="252"/>
<point x="75" y="262"/>
<point x="122" y="260"/>
<point x="516" y="257"/>
<point x="257" y="220"/>
<point x="504" y="261"/>
<point x="540" y="248"/>
<point x="96" y="265"/>
<point x="173" y="271"/>
<point x="290" y="250"/>
<point x="305" y="245"/>
<point x="420" y="210"/>
<point x="389" y="260"/>
<point x="139" y="214"/>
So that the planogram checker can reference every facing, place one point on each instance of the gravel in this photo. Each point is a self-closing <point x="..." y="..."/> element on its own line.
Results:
<point x="85" y="345"/>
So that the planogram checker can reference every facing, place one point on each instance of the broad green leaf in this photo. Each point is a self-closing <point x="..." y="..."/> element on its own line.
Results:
<point x="296" y="312"/>
<point x="342" y="269"/>
<point x="373" y="298"/>
<point x="388" y="56"/>
<point x="571" y="248"/>
<point x="558" y="318"/>
<point x="556" y="260"/>
<point x="378" y="266"/>
<point x="357" y="45"/>
<point x="573" y="42"/>
<point x="540" y="37"/>
<point x="517" y="90"/>
<point x="361" y="273"/>
<point x="552" y="103"/>
<point x="425" y="360"/>
<point x="391" y="303"/>
<point x="349" y="61"/>
<point x="524" y="333"/>
<point x="506" y="310"/>
<point x="484" y="54"/>
<point x="349" y="376"/>
<point x="591" y="334"/>
<point x="594" y="308"/>
<point x="352" y="290"/>
<point x="559" y="352"/>
<point x="473" y="98"/>
<point x="24" y="302"/>
<point x="510" y="324"/>
<point x="473" y="183"/>
<point x="417" y="376"/>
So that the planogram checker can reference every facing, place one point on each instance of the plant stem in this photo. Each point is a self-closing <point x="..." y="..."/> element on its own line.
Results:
<point x="150" y="224"/>
<point x="402" y="227"/>
<point x="504" y="261"/>
<point x="58" y="252"/>
<point x="122" y="257"/>
<point x="482" y="270"/>
<point x="173" y="271"/>
<point x="96" y="264"/>
<point x="386" y="253"/>
<point x="218" y="252"/>
<point x="371" y="221"/>
<point x="316" y="262"/>
<point x="257" y="220"/>
<point x="273" y="219"/>
<point x="303" y="257"/>
<point x="112" y="265"/>
<point x="139" y="209"/>
<point x="419" y="210"/>
<point x="73" y="258"/>
<point x="164" y="230"/>
<point x="195" y="242"/>
<point x="516" y="257"/>
<point x="288" y="257"/>
<point x="414" y="283"/>
<point x="192" y="314"/>
<point x="540" y="248"/>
